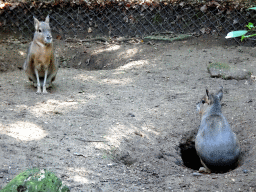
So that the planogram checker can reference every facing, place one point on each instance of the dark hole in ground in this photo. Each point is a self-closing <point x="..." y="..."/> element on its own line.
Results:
<point x="189" y="155"/>
<point x="188" y="151"/>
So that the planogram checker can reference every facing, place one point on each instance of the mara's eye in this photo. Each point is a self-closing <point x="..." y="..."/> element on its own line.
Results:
<point x="39" y="30"/>
<point x="203" y="101"/>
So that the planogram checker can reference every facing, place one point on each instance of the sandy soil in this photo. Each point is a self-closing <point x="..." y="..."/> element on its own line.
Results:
<point x="117" y="112"/>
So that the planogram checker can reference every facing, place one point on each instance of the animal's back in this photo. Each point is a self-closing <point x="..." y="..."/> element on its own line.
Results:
<point x="216" y="143"/>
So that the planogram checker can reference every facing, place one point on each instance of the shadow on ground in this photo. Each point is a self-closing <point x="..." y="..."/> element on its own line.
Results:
<point x="119" y="129"/>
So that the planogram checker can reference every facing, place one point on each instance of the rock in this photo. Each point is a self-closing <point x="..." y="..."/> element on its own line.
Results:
<point x="245" y="170"/>
<point x="130" y="114"/>
<point x="224" y="71"/>
<point x="111" y="164"/>
<point x="197" y="174"/>
<point x="36" y="180"/>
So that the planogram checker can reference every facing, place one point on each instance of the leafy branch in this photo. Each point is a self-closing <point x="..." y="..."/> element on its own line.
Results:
<point x="242" y="33"/>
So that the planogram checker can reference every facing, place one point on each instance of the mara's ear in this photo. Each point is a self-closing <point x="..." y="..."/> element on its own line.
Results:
<point x="36" y="23"/>
<point x="220" y="93"/>
<point x="47" y="19"/>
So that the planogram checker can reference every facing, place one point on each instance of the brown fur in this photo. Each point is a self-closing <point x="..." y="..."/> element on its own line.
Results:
<point x="40" y="65"/>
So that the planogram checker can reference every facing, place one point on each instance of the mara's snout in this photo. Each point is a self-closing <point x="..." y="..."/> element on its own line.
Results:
<point x="48" y="39"/>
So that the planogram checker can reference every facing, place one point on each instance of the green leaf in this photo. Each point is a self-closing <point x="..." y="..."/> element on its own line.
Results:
<point x="233" y="34"/>
<point x="250" y="26"/>
<point x="253" y="8"/>
<point x="242" y="38"/>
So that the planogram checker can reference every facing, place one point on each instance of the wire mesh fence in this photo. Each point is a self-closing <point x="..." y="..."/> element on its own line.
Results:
<point x="87" y="19"/>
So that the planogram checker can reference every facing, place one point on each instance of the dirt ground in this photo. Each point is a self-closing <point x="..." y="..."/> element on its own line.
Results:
<point x="117" y="112"/>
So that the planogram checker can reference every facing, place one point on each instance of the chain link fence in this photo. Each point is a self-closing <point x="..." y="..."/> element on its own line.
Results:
<point x="88" y="19"/>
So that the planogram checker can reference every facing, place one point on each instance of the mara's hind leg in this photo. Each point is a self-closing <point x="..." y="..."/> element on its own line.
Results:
<point x="30" y="71"/>
<point x="33" y="78"/>
<point x="50" y="79"/>
<point x="204" y="168"/>
<point x="34" y="81"/>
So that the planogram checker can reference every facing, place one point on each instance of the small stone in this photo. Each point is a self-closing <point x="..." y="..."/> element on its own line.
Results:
<point x="245" y="170"/>
<point x="111" y="165"/>
<point x="197" y="174"/>
<point x="89" y="30"/>
<point x="130" y="114"/>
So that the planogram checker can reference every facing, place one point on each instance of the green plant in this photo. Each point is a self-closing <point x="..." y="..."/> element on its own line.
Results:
<point x="36" y="179"/>
<point x="242" y="33"/>
<point x="157" y="18"/>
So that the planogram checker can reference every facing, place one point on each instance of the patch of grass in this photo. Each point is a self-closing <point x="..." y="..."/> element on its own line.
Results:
<point x="36" y="179"/>
<point x="218" y="65"/>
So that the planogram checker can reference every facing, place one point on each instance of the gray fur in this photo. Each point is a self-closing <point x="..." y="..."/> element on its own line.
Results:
<point x="216" y="144"/>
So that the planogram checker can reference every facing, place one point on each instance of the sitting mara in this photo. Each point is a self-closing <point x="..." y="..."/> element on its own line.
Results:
<point x="216" y="144"/>
<point x="40" y="65"/>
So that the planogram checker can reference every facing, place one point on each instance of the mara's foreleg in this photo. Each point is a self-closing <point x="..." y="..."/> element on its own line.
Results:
<point x="45" y="79"/>
<point x="38" y="82"/>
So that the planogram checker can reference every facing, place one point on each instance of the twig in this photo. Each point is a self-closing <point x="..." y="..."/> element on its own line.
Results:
<point x="163" y="33"/>
<point x="80" y="154"/>
<point x="125" y="39"/>
<point x="99" y="39"/>
<point x="166" y="38"/>
<point x="86" y="40"/>
<point x="89" y="140"/>
<point x="62" y="137"/>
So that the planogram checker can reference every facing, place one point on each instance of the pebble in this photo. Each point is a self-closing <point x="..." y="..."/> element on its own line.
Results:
<point x="197" y="174"/>
<point x="245" y="170"/>
<point x="111" y="164"/>
<point x="130" y="114"/>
